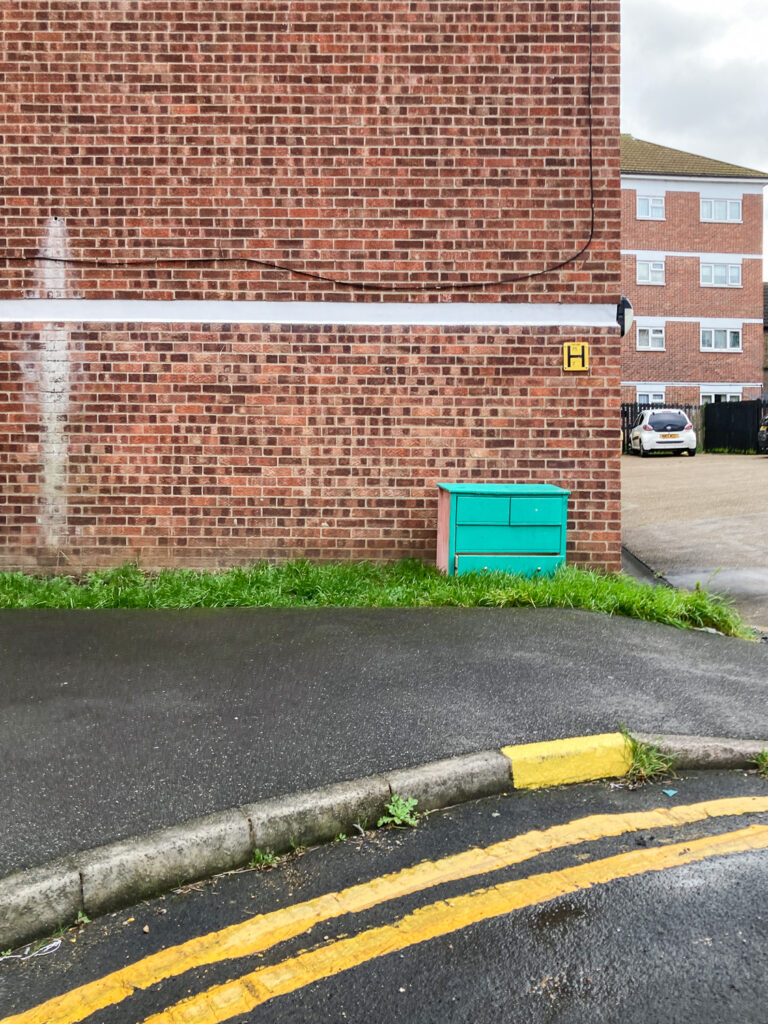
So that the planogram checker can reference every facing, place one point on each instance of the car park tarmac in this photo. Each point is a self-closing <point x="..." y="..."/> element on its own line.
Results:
<point x="702" y="520"/>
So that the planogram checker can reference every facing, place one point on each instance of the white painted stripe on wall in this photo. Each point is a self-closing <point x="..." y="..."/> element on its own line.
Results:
<point x="369" y="314"/>
<point x="710" y="257"/>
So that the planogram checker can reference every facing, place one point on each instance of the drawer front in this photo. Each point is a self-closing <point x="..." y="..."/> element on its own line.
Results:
<point x="502" y="539"/>
<point x="544" y="510"/>
<point x="499" y="509"/>
<point x="481" y="508"/>
<point x="523" y="565"/>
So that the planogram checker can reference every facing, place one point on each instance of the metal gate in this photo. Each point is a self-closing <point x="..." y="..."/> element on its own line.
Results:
<point x="732" y="426"/>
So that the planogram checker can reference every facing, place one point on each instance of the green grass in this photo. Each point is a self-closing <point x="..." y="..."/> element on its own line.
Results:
<point x="406" y="584"/>
<point x="647" y="761"/>
<point x="761" y="763"/>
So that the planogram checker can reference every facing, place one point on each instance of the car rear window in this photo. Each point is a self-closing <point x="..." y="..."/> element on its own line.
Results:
<point x="668" y="421"/>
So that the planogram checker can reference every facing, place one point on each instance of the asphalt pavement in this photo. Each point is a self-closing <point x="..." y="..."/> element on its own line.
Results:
<point x="116" y="723"/>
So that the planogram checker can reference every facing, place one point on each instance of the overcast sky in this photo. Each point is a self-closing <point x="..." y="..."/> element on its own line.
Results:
<point x="695" y="77"/>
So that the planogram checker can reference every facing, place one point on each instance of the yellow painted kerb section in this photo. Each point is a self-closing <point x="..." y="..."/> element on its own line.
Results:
<point x="578" y="759"/>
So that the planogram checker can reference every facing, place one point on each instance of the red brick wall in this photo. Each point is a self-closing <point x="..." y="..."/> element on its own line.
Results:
<point x="682" y="295"/>
<point x="212" y="446"/>
<point x="683" y="360"/>
<point x="683" y="231"/>
<point x="398" y="144"/>
<point x="394" y="143"/>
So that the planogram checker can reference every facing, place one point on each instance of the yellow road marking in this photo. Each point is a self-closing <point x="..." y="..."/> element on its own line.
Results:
<point x="266" y="930"/>
<point x="578" y="759"/>
<point x="222" y="1002"/>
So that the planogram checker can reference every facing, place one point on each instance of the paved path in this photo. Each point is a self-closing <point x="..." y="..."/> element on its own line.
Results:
<point x="116" y="723"/>
<point x="702" y="520"/>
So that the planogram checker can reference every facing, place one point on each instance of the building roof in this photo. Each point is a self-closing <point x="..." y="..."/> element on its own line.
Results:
<point x="639" y="157"/>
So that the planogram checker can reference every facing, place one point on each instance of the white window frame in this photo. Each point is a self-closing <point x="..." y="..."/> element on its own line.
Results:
<point x="707" y="393"/>
<point x="652" y="265"/>
<point x="706" y="329"/>
<point x="657" y="202"/>
<point x="730" y="269"/>
<point x="649" y="390"/>
<point x="660" y="334"/>
<point x="708" y="211"/>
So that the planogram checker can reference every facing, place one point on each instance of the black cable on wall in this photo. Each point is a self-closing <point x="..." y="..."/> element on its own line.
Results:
<point x="362" y="286"/>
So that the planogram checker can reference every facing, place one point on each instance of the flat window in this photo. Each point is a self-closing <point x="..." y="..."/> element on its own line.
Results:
<point x="721" y="210"/>
<point x="650" y="272"/>
<point x="646" y="396"/>
<point x="650" y="207"/>
<point x="721" y="275"/>
<point x="714" y="339"/>
<point x="720" y="396"/>
<point x="650" y="338"/>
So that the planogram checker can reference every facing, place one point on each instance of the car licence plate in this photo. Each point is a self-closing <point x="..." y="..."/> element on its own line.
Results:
<point x="667" y="435"/>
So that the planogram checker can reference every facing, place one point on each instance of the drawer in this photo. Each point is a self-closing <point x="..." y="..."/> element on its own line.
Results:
<point x="544" y="510"/>
<point x="524" y="565"/>
<point x="497" y="509"/>
<point x="481" y="508"/>
<point x="515" y="539"/>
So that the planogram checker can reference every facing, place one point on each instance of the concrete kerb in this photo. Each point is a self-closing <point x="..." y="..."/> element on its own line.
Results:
<point x="696" y="752"/>
<point x="37" y="902"/>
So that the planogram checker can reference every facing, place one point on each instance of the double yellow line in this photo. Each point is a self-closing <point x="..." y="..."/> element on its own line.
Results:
<point x="260" y="933"/>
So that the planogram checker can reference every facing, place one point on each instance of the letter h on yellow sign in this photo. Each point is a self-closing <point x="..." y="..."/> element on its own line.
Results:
<point x="575" y="355"/>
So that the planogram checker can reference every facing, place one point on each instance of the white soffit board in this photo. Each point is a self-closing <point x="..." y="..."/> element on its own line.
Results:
<point x="714" y="188"/>
<point x="710" y="257"/>
<point x="716" y="384"/>
<point x="373" y="314"/>
<point x="705" y="321"/>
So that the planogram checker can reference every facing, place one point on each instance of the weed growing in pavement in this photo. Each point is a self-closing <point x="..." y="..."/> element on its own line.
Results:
<point x="263" y="860"/>
<point x="400" y="813"/>
<point x="647" y="761"/>
<point x="405" y="584"/>
<point x="761" y="763"/>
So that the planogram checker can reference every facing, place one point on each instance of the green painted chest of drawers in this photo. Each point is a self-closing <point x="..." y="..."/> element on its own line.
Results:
<point x="518" y="528"/>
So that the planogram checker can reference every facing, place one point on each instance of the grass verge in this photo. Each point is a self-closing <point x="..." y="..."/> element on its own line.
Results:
<point x="406" y="584"/>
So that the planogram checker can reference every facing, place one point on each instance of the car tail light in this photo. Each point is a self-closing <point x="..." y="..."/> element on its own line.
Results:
<point x="688" y="426"/>
<point x="646" y="427"/>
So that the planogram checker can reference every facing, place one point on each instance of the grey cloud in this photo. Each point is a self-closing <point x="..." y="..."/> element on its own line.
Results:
<point x="673" y="95"/>
<point x="654" y="31"/>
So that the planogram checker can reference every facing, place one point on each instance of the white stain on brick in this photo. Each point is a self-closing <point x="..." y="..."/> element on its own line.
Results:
<point x="52" y="377"/>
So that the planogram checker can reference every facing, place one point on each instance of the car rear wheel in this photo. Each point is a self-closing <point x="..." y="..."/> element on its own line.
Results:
<point x="642" y="453"/>
<point x="691" y="452"/>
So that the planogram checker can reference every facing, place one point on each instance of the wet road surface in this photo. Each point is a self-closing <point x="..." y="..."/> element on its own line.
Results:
<point x="588" y="903"/>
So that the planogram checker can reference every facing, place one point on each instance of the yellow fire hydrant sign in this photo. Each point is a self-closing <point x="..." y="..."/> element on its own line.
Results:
<point x="575" y="355"/>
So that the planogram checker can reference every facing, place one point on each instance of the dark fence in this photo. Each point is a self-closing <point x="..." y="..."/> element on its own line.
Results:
<point x="733" y="426"/>
<point x="631" y="410"/>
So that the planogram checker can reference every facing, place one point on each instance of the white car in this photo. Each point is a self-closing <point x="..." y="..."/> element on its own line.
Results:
<point x="659" y="430"/>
